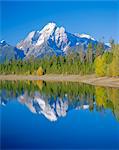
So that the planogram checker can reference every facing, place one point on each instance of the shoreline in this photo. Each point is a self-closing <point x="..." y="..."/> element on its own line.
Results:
<point x="88" y="79"/>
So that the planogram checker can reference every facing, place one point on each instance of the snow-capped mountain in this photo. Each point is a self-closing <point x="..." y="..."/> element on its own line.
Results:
<point x="53" y="40"/>
<point x="49" y="41"/>
<point x="8" y="52"/>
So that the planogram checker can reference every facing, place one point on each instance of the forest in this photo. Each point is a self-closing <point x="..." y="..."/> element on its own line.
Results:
<point x="94" y="61"/>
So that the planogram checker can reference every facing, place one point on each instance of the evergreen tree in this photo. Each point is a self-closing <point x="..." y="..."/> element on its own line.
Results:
<point x="89" y="53"/>
<point x="99" y="49"/>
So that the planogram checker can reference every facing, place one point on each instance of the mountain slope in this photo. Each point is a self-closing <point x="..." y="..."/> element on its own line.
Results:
<point x="53" y="40"/>
<point x="8" y="52"/>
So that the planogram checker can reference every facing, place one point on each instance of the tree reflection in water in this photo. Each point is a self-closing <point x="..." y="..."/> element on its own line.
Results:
<point x="54" y="100"/>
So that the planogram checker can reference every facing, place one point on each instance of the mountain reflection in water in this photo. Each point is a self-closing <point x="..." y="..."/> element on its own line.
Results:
<point x="55" y="100"/>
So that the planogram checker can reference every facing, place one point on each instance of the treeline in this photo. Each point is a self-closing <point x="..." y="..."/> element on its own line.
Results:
<point x="94" y="60"/>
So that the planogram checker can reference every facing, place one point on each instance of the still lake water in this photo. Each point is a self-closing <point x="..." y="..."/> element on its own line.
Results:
<point x="47" y="115"/>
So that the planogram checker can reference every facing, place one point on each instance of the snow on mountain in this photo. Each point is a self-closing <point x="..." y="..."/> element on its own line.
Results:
<point x="85" y="36"/>
<point x="48" y="41"/>
<point x="2" y="43"/>
<point x="108" y="44"/>
<point x="54" y="39"/>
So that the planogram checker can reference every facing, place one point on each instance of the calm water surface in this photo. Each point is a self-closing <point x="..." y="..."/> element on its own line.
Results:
<point x="46" y="115"/>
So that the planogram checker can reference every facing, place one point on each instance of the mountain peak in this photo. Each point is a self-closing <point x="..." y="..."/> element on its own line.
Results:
<point x="50" y="25"/>
<point x="45" y="33"/>
<point x="2" y="42"/>
<point x="53" y="40"/>
<point x="49" y="28"/>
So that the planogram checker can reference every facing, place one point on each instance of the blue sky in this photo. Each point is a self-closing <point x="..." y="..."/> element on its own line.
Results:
<point x="97" y="18"/>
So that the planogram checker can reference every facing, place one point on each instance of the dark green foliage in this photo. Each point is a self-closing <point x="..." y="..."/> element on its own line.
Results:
<point x="70" y="64"/>
<point x="73" y="63"/>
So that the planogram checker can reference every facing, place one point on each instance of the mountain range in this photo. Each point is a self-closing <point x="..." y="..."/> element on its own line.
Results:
<point x="51" y="40"/>
<point x="8" y="52"/>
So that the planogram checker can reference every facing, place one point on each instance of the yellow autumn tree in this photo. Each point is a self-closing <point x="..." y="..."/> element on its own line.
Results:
<point x="100" y="66"/>
<point x="114" y="66"/>
<point x="40" y="71"/>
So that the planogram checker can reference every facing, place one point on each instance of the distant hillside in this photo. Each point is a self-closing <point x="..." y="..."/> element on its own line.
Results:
<point x="8" y="52"/>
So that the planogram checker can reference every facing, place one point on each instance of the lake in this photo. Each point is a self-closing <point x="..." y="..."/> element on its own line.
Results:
<point x="58" y="115"/>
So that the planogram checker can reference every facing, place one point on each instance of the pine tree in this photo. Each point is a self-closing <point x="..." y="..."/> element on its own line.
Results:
<point x="99" y="49"/>
<point x="89" y="53"/>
